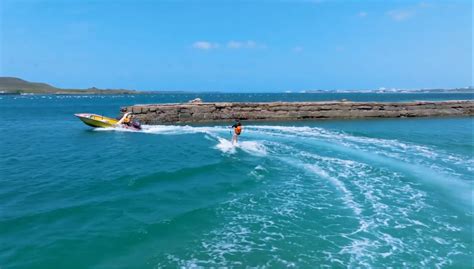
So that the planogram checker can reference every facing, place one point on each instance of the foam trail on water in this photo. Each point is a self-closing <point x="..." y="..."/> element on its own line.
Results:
<point x="252" y="147"/>
<point x="348" y="196"/>
<point x="226" y="146"/>
<point x="181" y="129"/>
<point x="379" y="191"/>
<point x="405" y="157"/>
<point x="115" y="129"/>
<point x="374" y="182"/>
<point x="170" y="129"/>
<point x="386" y="197"/>
<point x="388" y="147"/>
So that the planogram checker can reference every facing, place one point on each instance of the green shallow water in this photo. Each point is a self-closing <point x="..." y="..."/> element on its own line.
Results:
<point x="366" y="193"/>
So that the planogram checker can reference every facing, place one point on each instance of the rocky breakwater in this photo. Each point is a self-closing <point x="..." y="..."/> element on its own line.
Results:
<point x="282" y="111"/>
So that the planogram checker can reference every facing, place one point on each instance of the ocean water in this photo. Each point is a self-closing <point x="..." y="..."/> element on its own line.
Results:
<point x="358" y="193"/>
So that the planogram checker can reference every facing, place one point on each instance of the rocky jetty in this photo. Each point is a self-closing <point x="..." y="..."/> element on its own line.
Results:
<point x="282" y="111"/>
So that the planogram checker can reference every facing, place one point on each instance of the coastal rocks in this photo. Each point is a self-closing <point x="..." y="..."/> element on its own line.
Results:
<point x="198" y="111"/>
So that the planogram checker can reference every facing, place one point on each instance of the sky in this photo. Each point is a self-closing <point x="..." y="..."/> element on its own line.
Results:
<point x="238" y="46"/>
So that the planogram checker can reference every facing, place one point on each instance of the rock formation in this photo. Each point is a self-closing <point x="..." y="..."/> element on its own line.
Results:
<point x="283" y="111"/>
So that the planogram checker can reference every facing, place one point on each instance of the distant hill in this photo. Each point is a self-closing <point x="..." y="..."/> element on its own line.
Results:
<point x="12" y="85"/>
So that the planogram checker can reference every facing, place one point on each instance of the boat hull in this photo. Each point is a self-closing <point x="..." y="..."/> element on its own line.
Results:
<point x="97" y="121"/>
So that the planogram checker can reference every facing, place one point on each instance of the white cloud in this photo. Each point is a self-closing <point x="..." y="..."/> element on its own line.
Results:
<point x="205" y="45"/>
<point x="401" y="14"/>
<point x="297" y="49"/>
<point x="362" y="14"/>
<point x="249" y="44"/>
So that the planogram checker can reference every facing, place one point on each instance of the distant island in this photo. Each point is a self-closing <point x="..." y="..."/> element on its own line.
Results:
<point x="12" y="85"/>
<point x="469" y="89"/>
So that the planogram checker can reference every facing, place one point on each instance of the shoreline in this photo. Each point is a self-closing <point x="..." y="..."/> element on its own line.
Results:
<point x="176" y="113"/>
<point x="139" y="92"/>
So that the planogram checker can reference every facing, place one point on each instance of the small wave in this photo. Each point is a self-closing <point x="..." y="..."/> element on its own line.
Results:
<point x="258" y="172"/>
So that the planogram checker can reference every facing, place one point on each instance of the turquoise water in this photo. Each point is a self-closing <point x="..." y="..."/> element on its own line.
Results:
<point x="361" y="193"/>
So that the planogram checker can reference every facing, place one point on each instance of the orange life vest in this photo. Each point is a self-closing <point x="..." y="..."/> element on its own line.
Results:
<point x="127" y="119"/>
<point x="238" y="130"/>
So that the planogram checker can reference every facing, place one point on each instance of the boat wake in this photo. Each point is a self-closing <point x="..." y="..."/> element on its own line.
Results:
<point x="367" y="200"/>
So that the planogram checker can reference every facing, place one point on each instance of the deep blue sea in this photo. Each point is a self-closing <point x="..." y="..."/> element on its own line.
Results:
<point x="334" y="194"/>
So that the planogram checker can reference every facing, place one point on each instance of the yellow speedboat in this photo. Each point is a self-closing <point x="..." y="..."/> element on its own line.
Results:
<point x="95" y="120"/>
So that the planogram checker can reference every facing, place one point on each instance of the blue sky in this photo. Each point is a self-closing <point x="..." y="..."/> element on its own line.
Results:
<point x="238" y="45"/>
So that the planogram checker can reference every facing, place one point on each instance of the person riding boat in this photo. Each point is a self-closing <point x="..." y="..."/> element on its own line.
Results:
<point x="127" y="121"/>
<point x="237" y="131"/>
